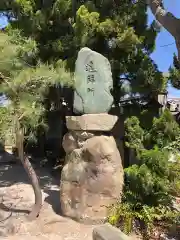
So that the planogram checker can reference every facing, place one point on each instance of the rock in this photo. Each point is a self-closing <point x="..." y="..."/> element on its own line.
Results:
<point x="108" y="232"/>
<point x="84" y="135"/>
<point x="176" y="204"/>
<point x="91" y="180"/>
<point x="91" y="122"/>
<point x="69" y="143"/>
<point x="93" y="83"/>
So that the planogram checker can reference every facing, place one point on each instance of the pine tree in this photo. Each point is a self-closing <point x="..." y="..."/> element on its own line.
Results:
<point x="60" y="28"/>
<point x="25" y="86"/>
<point x="116" y="29"/>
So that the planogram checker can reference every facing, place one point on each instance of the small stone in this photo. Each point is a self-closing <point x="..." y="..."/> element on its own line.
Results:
<point x="84" y="135"/>
<point x="69" y="143"/>
<point x="108" y="232"/>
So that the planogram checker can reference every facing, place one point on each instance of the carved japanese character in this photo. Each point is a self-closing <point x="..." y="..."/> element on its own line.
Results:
<point x="90" y="78"/>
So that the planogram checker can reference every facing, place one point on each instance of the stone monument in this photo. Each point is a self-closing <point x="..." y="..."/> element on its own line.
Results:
<point x="93" y="82"/>
<point x="92" y="178"/>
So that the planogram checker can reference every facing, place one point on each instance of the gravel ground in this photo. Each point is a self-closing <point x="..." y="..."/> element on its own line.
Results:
<point x="16" y="199"/>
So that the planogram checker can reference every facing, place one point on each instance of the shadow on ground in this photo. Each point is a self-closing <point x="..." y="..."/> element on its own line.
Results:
<point x="53" y="200"/>
<point x="13" y="173"/>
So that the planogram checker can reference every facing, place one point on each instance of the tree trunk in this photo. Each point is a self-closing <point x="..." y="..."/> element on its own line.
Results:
<point x="167" y="20"/>
<point x="32" y="176"/>
<point x="36" y="188"/>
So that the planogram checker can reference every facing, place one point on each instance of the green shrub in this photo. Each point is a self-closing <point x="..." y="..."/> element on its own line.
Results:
<point x="175" y="177"/>
<point x="147" y="194"/>
<point x="134" y="133"/>
<point x="128" y="217"/>
<point x="164" y="129"/>
<point x="164" y="132"/>
<point x="151" y="183"/>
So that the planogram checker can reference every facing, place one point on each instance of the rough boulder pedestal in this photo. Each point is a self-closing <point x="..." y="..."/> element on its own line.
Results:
<point x="92" y="178"/>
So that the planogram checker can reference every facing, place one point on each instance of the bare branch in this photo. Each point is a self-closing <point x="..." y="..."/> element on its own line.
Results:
<point x="21" y="117"/>
<point x="3" y="78"/>
<point x="178" y="46"/>
<point x="167" y="19"/>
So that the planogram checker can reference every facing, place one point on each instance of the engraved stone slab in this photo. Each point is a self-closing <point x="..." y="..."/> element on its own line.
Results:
<point x="93" y="82"/>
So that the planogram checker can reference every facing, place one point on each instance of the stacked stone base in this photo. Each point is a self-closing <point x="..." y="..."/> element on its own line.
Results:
<point x="92" y="178"/>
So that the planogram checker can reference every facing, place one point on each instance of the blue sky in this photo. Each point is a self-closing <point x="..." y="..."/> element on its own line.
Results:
<point x="3" y="22"/>
<point x="163" y="54"/>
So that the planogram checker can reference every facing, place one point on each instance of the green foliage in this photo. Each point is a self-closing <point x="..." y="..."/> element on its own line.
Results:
<point x="175" y="77"/>
<point x="122" y="213"/>
<point x="174" y="73"/>
<point x="165" y="129"/>
<point x="117" y="29"/>
<point x="84" y="20"/>
<point x="35" y="58"/>
<point x="134" y="133"/>
<point x="174" y="147"/>
<point x="25" y="85"/>
<point x="174" y="165"/>
<point x="149" y="180"/>
<point x="151" y="183"/>
<point x="7" y="132"/>
<point x="147" y="197"/>
<point x="129" y="217"/>
<point x="175" y="176"/>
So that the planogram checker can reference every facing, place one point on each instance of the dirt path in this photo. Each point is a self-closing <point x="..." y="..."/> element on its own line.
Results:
<point x="16" y="198"/>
